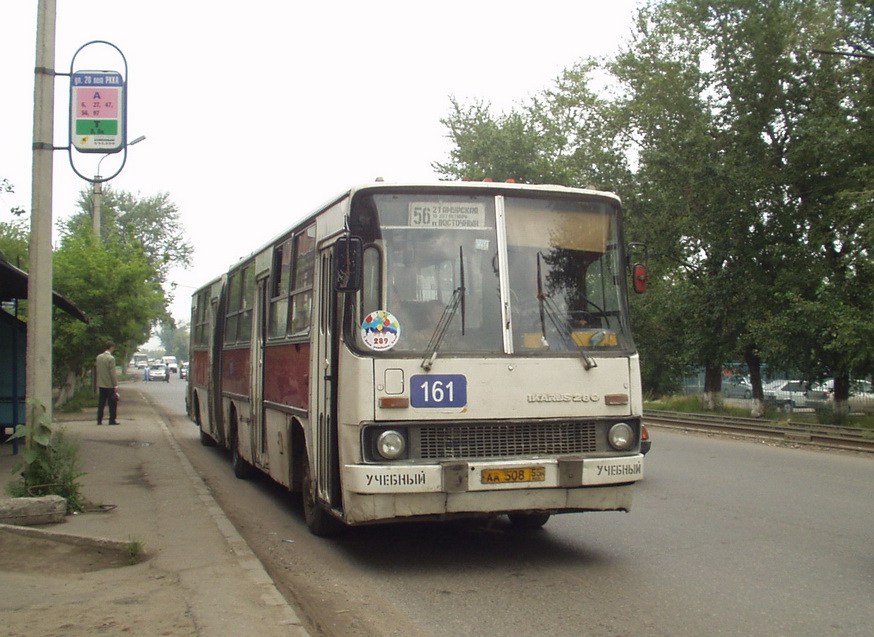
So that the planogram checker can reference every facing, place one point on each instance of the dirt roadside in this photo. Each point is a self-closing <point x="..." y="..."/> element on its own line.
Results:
<point x="60" y="584"/>
<point x="198" y="578"/>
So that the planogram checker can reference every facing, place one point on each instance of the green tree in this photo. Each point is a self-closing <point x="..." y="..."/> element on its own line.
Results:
<point x="14" y="238"/>
<point x="747" y="139"/>
<point x="14" y="235"/>
<point x="567" y="135"/>
<point x="5" y="186"/>
<point x="116" y="286"/>
<point x="175" y="339"/>
<point x="825" y="327"/>
<point x="699" y="184"/>
<point x="147" y="229"/>
<point x="152" y="222"/>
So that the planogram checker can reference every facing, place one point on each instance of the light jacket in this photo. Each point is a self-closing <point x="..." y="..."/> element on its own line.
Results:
<point x="106" y="370"/>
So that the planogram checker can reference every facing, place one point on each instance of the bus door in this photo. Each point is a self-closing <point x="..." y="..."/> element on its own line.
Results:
<point x="325" y="446"/>
<point x="256" y="391"/>
<point x="216" y="415"/>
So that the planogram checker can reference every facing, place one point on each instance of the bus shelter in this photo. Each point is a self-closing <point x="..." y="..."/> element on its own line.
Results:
<point x="13" y="345"/>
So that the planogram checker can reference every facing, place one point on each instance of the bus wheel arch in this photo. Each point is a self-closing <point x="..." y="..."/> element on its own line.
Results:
<point x="242" y="469"/>
<point x="319" y="521"/>
<point x="205" y="439"/>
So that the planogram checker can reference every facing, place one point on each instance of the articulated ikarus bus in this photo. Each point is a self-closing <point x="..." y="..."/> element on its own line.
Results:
<point x="421" y="352"/>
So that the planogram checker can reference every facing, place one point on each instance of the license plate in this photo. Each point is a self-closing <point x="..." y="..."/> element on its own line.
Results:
<point x="508" y="476"/>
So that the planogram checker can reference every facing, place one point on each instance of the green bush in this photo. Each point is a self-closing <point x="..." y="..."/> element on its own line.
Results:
<point x="50" y="465"/>
<point x="84" y="398"/>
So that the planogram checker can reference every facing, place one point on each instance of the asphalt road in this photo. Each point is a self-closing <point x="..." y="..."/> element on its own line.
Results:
<point x="726" y="537"/>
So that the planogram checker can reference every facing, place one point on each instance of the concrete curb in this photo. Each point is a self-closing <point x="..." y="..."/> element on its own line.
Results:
<point x="46" y="509"/>
<point x="65" y="538"/>
<point x="246" y="559"/>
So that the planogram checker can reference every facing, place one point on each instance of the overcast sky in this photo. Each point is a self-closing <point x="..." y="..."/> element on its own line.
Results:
<point x="256" y="112"/>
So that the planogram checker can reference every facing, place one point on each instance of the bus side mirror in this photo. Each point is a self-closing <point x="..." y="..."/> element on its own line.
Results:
<point x="348" y="264"/>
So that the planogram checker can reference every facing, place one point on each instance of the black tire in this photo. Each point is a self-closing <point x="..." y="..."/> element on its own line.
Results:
<point x="242" y="469"/>
<point x="748" y="394"/>
<point x="205" y="439"/>
<point x="529" y="521"/>
<point x="319" y="521"/>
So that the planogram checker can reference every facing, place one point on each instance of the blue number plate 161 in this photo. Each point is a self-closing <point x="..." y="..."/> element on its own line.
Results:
<point x="438" y="390"/>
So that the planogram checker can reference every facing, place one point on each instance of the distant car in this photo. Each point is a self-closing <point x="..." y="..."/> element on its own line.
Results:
<point x="159" y="372"/>
<point x="737" y="387"/>
<point x="861" y="398"/>
<point x="171" y="363"/>
<point x="791" y="394"/>
<point x="183" y="370"/>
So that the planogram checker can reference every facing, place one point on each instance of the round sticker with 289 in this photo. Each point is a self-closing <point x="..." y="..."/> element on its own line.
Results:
<point x="380" y="330"/>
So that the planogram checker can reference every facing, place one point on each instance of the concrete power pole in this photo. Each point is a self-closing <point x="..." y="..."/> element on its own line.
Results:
<point x="39" y="287"/>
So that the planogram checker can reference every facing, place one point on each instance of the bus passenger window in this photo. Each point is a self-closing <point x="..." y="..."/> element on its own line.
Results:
<point x="302" y="284"/>
<point x="279" y="296"/>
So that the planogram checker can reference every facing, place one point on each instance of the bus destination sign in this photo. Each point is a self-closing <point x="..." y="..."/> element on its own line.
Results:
<point x="447" y="215"/>
<point x="97" y="100"/>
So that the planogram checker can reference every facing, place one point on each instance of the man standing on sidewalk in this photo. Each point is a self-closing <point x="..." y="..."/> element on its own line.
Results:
<point x="107" y="385"/>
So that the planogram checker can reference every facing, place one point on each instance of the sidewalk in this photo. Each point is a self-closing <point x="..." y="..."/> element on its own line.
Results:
<point x="199" y="578"/>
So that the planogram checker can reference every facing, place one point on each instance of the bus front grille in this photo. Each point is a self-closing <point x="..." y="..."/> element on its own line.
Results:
<point x="506" y="440"/>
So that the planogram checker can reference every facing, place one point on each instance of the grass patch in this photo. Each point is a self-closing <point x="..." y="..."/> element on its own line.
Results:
<point x="83" y="399"/>
<point x="694" y="404"/>
<point x="136" y="550"/>
<point x="823" y="415"/>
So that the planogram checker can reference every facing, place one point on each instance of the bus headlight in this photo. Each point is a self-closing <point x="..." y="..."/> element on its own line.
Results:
<point x="621" y="436"/>
<point x="391" y="444"/>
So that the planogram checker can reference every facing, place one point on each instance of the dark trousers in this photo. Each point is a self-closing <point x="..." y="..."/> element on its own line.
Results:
<point x="107" y="395"/>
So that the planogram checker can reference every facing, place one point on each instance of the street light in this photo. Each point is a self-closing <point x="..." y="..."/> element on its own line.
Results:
<point x="97" y="189"/>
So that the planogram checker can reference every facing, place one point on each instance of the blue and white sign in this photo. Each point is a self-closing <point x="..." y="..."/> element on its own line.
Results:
<point x="438" y="390"/>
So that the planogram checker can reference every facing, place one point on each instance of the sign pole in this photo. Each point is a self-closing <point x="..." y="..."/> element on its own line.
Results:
<point x="39" y="286"/>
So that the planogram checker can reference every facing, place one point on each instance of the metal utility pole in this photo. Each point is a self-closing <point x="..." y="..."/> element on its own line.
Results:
<point x="97" y="190"/>
<point x="96" y="204"/>
<point x="39" y="287"/>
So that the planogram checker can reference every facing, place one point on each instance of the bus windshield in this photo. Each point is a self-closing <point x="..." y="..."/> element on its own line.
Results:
<point x="503" y="274"/>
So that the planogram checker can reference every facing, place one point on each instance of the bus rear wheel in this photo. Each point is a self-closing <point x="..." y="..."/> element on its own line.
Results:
<point x="529" y="521"/>
<point x="319" y="521"/>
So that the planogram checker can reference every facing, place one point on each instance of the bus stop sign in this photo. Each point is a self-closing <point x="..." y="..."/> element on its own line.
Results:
<point x="97" y="111"/>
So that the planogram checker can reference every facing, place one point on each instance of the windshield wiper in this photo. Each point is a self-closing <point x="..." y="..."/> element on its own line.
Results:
<point x="449" y="311"/>
<point x="548" y="309"/>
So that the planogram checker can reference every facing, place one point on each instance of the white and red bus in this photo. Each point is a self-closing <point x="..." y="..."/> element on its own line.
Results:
<point x="416" y="352"/>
